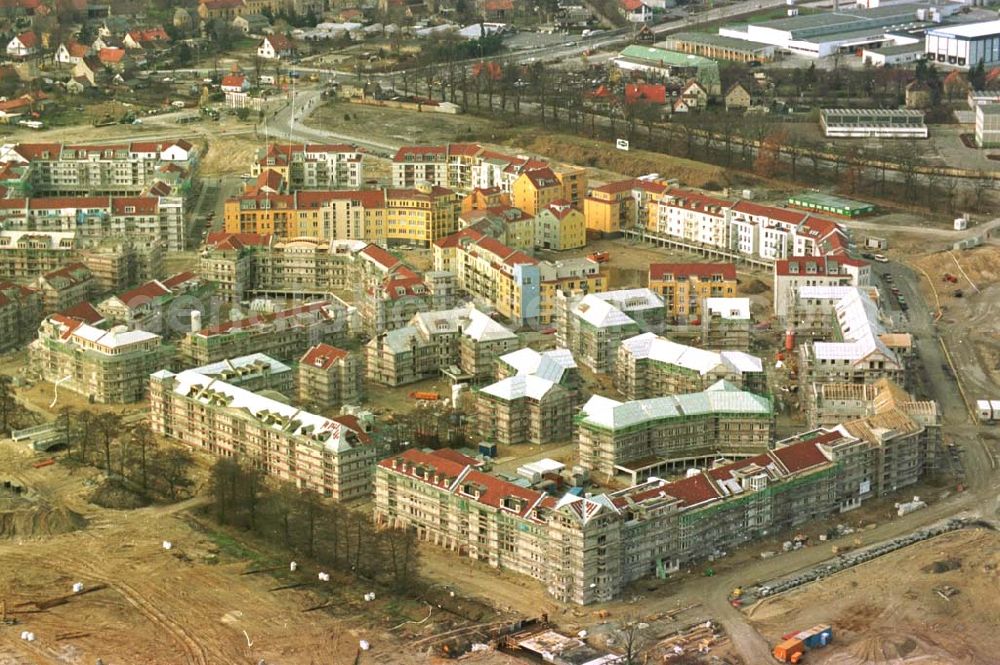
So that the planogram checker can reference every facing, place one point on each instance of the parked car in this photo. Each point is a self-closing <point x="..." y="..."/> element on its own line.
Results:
<point x="881" y="258"/>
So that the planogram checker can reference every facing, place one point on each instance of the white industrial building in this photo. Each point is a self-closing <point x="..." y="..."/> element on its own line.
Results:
<point x="963" y="46"/>
<point x="988" y="125"/>
<point x="844" y="30"/>
<point x="873" y="123"/>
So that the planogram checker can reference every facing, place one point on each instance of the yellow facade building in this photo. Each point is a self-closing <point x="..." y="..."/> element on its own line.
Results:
<point x="685" y="286"/>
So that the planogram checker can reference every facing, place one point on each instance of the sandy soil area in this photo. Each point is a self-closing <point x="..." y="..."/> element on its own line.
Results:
<point x="888" y="611"/>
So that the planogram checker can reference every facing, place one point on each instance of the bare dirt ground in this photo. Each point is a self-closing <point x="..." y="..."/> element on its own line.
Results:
<point x="190" y="604"/>
<point x="887" y="611"/>
<point x="402" y="126"/>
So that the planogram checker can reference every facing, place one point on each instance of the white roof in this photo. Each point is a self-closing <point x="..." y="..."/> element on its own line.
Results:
<point x="473" y="323"/>
<point x="858" y="319"/>
<point x="114" y="338"/>
<point x="274" y="366"/>
<point x="601" y="314"/>
<point x="294" y="420"/>
<point x="56" y="238"/>
<point x="522" y="385"/>
<point x="733" y="309"/>
<point x="721" y="397"/>
<point x="545" y="465"/>
<point x="551" y="365"/>
<point x="660" y="349"/>
<point x="970" y="30"/>
<point x="824" y="292"/>
<point x="631" y="300"/>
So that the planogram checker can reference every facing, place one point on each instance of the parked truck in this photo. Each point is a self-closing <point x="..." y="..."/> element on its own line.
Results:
<point x="793" y="645"/>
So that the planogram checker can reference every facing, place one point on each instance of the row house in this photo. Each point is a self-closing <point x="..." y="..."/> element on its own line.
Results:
<point x="685" y="286"/>
<point x="312" y="165"/>
<point x="284" y="334"/>
<point x="329" y="376"/>
<point x="558" y="226"/>
<point x="106" y="366"/>
<point x="650" y="366"/>
<point x="666" y="435"/>
<point x="463" y="338"/>
<point x="318" y="454"/>
<point x="587" y="549"/>
<point x="593" y="326"/>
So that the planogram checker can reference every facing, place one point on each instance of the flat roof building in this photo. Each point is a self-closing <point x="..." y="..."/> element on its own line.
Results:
<point x="664" y="63"/>
<point x="988" y="125"/>
<point x="837" y="205"/>
<point x="719" y="47"/>
<point x="873" y="123"/>
<point x="964" y="46"/>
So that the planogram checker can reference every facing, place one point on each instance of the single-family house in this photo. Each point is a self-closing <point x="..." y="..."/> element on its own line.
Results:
<point x="275" y="47"/>
<point x="235" y="83"/>
<point x="146" y="38"/>
<point x="23" y="45"/>
<point x="738" y="97"/>
<point x="694" y="95"/>
<point x="252" y="24"/>
<point x="636" y="11"/>
<point x="113" y="58"/>
<point x="71" y="52"/>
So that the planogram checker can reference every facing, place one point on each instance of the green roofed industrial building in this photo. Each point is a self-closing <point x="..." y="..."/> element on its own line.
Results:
<point x="667" y="434"/>
<point x="829" y="203"/>
<point x="665" y="64"/>
<point x="719" y="47"/>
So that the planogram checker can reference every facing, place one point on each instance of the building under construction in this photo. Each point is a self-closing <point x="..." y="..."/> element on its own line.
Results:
<point x="651" y="366"/>
<point x="586" y="549"/>
<point x="524" y="409"/>
<point x="332" y="457"/>
<point x="671" y="434"/>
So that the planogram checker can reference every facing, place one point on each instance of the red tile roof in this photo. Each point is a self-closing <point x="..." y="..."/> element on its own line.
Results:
<point x="252" y="321"/>
<point x="180" y="279"/>
<point x="225" y="241"/>
<point x="143" y="294"/>
<point x="111" y="55"/>
<point x="155" y="34"/>
<point x="785" y="215"/>
<point x="455" y="239"/>
<point x="657" y="271"/>
<point x="692" y="200"/>
<point x="616" y="187"/>
<point x="655" y="93"/>
<point x="84" y="312"/>
<point x="381" y="256"/>
<point x="233" y="81"/>
<point x="805" y="455"/>
<point x="322" y="356"/>
<point x="279" y="42"/>
<point x="542" y="178"/>
<point x="29" y="39"/>
<point x="140" y="205"/>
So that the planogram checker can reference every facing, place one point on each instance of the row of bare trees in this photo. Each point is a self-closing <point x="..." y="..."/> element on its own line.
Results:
<point x="126" y="454"/>
<point x="305" y="524"/>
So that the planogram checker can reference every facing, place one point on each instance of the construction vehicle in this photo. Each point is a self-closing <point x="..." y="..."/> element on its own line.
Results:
<point x="600" y="257"/>
<point x="789" y="651"/>
<point x="427" y="396"/>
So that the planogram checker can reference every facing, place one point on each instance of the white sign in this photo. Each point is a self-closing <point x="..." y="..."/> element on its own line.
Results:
<point x="621" y="144"/>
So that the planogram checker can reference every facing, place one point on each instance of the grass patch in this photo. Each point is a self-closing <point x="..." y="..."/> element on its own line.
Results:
<point x="231" y="547"/>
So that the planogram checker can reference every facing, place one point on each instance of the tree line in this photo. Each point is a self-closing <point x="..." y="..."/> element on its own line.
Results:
<point x="304" y="524"/>
<point x="129" y="455"/>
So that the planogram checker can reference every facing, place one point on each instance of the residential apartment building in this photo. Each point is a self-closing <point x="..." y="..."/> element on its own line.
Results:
<point x="66" y="287"/>
<point x="255" y="372"/>
<point x="389" y="293"/>
<point x="20" y="314"/>
<point x="593" y="326"/>
<point x="511" y="226"/>
<point x="586" y="549"/>
<point x="154" y="306"/>
<point x="469" y="166"/>
<point x="524" y="408"/>
<point x="312" y="166"/>
<point x="394" y="217"/>
<point x="685" y="286"/>
<point x="463" y="338"/>
<point x="559" y="226"/>
<point x="623" y="204"/>
<point x="284" y="335"/>
<point x="650" y="366"/>
<point x="149" y="219"/>
<point x="664" y="435"/>
<point x="521" y="288"/>
<point x="792" y="274"/>
<point x="740" y="230"/>
<point x="30" y="254"/>
<point x="329" y="376"/>
<point x="319" y="454"/>
<point x="120" y="169"/>
<point x="118" y="263"/>
<point x="106" y="366"/>
<point x="535" y="190"/>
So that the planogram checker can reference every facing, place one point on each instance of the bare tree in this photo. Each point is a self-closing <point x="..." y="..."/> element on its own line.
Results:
<point x="630" y="635"/>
